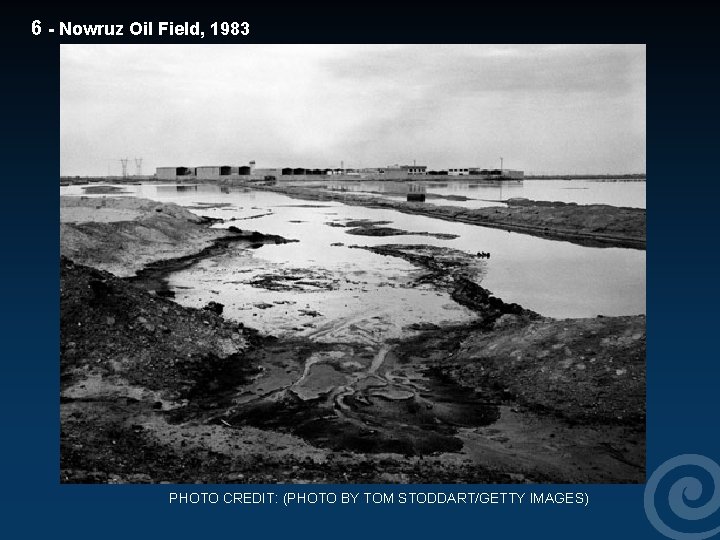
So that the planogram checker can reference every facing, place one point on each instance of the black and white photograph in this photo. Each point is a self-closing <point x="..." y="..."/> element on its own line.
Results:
<point x="342" y="264"/>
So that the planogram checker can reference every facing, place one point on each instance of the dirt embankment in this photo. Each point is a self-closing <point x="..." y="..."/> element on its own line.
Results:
<point x="594" y="225"/>
<point x="126" y="356"/>
<point x="122" y="335"/>
<point x="127" y="235"/>
<point x="123" y="234"/>
<point x="583" y="371"/>
<point x="570" y="394"/>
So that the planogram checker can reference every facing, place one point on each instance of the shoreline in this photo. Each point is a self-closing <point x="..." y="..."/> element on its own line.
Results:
<point x="585" y="225"/>
<point x="142" y="375"/>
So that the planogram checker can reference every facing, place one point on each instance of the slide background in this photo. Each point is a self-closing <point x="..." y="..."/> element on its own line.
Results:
<point x="682" y="354"/>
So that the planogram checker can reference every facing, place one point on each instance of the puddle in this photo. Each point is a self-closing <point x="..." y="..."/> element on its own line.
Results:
<point x="359" y="297"/>
<point x="555" y="279"/>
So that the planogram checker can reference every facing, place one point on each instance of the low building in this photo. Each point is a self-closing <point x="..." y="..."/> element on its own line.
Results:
<point x="499" y="174"/>
<point x="403" y="171"/>
<point x="490" y="174"/>
<point x="267" y="171"/>
<point x="208" y="172"/>
<point x="410" y="170"/>
<point x="175" y="173"/>
<point x="393" y="172"/>
<point x="205" y="172"/>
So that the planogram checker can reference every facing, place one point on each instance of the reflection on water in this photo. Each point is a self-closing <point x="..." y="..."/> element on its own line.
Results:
<point x="337" y="288"/>
<point x="484" y="194"/>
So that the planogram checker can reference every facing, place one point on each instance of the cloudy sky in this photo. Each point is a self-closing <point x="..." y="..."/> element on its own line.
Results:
<point x="544" y="108"/>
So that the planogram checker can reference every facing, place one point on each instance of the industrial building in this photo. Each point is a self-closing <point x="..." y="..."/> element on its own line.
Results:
<point x="392" y="172"/>
<point x="212" y="172"/>
<point x="244" y="172"/>
<point x="409" y="170"/>
<point x="490" y="174"/>
<point x="250" y="172"/>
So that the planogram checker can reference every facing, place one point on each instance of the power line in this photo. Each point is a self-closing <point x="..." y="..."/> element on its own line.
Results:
<point x="124" y="163"/>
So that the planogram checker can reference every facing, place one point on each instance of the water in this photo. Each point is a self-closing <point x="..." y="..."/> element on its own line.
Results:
<point x="338" y="293"/>
<point x="484" y="194"/>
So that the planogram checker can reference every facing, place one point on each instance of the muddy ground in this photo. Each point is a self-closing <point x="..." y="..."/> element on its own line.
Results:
<point x="155" y="392"/>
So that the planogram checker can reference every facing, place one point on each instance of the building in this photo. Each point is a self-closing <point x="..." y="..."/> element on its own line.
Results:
<point x="267" y="171"/>
<point x="410" y="170"/>
<point x="207" y="172"/>
<point x="392" y="172"/>
<point x="415" y="169"/>
<point x="402" y="171"/>
<point x="489" y="174"/>
<point x="500" y="174"/>
<point x="174" y="173"/>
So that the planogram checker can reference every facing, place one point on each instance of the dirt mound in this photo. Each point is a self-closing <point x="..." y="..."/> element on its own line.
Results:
<point x="112" y="330"/>
<point x="583" y="370"/>
<point x="121" y="235"/>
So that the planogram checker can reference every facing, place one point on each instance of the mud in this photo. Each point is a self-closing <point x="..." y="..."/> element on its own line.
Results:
<point x="348" y="398"/>
<point x="206" y="205"/>
<point x="97" y="190"/>
<point x="366" y="227"/>
<point x="454" y="271"/>
<point x="295" y="279"/>
<point x="153" y="276"/>
<point x="403" y="193"/>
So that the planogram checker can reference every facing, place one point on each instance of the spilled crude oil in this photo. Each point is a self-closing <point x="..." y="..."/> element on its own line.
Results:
<point x="390" y="410"/>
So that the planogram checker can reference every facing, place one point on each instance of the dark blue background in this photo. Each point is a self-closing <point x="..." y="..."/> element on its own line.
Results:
<point x="683" y="362"/>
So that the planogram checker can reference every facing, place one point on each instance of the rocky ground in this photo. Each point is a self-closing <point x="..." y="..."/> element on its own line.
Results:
<point x="155" y="392"/>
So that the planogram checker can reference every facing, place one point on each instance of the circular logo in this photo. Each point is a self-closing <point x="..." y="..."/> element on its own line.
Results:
<point x="684" y="490"/>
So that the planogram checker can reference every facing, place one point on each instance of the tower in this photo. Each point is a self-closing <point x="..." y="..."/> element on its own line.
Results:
<point x="124" y="163"/>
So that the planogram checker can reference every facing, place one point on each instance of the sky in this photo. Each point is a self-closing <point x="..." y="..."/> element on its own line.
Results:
<point x="544" y="108"/>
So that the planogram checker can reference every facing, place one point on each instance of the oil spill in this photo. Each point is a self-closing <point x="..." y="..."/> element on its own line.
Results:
<point x="348" y="399"/>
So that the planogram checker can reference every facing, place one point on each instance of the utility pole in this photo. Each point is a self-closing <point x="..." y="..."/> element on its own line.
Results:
<point x="124" y="163"/>
<point x="501" y="168"/>
<point x="138" y="166"/>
